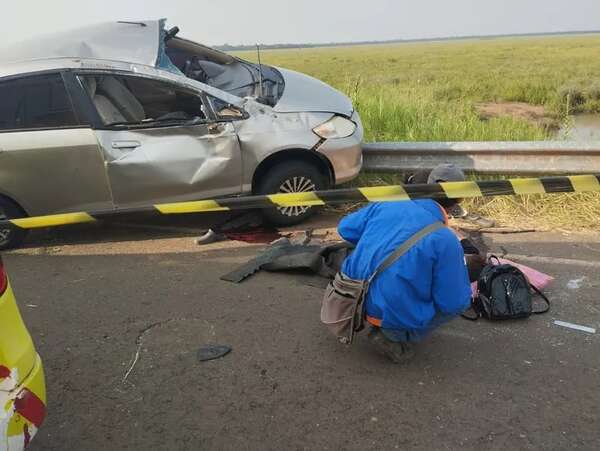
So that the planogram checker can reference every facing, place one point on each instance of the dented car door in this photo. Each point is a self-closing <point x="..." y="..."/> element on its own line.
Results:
<point x="160" y="143"/>
<point x="47" y="149"/>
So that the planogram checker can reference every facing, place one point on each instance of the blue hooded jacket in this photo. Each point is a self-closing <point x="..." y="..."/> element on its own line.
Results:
<point x="431" y="280"/>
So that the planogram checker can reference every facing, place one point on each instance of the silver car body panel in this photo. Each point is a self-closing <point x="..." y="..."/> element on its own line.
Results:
<point x="103" y="41"/>
<point x="304" y="93"/>
<point x="171" y="164"/>
<point x="53" y="171"/>
<point x="345" y="154"/>
<point x="281" y="131"/>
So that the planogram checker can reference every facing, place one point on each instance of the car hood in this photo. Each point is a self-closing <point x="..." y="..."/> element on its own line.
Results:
<point x="307" y="94"/>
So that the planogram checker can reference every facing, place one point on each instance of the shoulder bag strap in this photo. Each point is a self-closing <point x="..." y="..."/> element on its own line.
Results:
<point x="403" y="249"/>
<point x="538" y="291"/>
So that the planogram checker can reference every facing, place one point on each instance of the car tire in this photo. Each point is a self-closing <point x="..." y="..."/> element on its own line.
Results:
<point x="292" y="176"/>
<point x="10" y="236"/>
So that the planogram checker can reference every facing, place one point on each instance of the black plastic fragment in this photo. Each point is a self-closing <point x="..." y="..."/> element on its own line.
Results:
<point x="213" y="352"/>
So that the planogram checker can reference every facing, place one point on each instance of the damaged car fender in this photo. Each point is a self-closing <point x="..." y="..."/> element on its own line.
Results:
<point x="269" y="133"/>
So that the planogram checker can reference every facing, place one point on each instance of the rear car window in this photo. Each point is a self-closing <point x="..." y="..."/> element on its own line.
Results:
<point x="39" y="101"/>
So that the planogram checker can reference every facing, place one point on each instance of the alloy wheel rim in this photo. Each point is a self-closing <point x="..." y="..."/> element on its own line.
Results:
<point x="296" y="185"/>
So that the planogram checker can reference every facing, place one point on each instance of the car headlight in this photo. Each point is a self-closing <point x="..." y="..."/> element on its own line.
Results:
<point x="336" y="127"/>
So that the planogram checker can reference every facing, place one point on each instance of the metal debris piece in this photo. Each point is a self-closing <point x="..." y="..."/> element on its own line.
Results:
<point x="589" y="330"/>
<point x="213" y="352"/>
<point x="575" y="284"/>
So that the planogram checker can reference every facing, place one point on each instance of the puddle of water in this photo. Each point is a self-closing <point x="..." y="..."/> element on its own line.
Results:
<point x="583" y="127"/>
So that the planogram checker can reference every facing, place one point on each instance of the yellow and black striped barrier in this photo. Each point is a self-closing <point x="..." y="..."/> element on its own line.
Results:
<point x="453" y="190"/>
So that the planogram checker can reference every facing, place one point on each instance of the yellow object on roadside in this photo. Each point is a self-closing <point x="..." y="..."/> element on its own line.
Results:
<point x="22" y="384"/>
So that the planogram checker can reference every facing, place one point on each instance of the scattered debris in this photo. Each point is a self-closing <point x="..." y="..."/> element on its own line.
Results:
<point x="247" y="227"/>
<point x="505" y="230"/>
<point x="210" y="237"/>
<point x="321" y="259"/>
<point x="302" y="238"/>
<point x="575" y="284"/>
<point x="246" y="270"/>
<point x="589" y="330"/>
<point x="213" y="352"/>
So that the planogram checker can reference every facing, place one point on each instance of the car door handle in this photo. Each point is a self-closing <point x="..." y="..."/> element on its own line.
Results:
<point x="126" y="144"/>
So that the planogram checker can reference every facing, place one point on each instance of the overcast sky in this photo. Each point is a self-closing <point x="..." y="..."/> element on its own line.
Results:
<point x="306" y="21"/>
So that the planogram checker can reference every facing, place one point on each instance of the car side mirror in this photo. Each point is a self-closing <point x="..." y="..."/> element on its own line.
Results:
<point x="231" y="112"/>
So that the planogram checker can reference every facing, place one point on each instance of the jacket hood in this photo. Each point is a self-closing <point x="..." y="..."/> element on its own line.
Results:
<point x="307" y="94"/>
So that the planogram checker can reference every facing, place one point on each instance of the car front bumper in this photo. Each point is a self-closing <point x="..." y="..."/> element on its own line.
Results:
<point x="345" y="154"/>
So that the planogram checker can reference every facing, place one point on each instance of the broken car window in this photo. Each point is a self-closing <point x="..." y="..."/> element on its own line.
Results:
<point x="141" y="102"/>
<point x="224" y="110"/>
<point x="35" y="102"/>
<point x="224" y="72"/>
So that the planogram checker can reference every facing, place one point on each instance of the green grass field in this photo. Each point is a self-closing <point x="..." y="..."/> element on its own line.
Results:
<point x="430" y="92"/>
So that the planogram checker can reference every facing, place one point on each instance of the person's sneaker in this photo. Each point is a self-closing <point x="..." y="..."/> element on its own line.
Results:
<point x="482" y="222"/>
<point x="397" y="352"/>
<point x="210" y="237"/>
<point x="458" y="212"/>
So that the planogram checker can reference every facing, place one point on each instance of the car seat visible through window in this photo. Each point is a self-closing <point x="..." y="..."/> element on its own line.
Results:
<point x="114" y="102"/>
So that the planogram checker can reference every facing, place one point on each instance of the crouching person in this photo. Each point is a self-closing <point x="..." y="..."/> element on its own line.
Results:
<point x="424" y="288"/>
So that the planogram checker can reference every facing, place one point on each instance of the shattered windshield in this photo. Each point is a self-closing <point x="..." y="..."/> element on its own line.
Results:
<point x="224" y="72"/>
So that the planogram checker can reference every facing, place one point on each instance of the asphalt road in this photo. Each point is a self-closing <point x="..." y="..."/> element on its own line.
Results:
<point x="93" y="296"/>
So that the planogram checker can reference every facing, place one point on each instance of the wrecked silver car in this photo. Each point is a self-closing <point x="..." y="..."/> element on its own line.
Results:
<point x="124" y="115"/>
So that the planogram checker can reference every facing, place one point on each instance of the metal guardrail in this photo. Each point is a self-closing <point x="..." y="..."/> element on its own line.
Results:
<point x="518" y="158"/>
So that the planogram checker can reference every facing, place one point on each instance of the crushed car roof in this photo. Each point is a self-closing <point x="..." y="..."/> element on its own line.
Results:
<point x="125" y="46"/>
<point x="131" y="42"/>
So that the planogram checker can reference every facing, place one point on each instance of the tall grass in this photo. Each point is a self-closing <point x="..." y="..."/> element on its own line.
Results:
<point x="429" y="92"/>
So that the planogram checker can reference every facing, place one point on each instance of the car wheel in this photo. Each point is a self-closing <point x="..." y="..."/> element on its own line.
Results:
<point x="291" y="177"/>
<point x="10" y="236"/>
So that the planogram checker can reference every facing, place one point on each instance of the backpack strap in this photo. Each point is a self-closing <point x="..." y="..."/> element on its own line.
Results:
<point x="491" y="257"/>
<point x="538" y="291"/>
<point x="404" y="248"/>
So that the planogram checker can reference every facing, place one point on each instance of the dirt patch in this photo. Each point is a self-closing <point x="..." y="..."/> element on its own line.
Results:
<point x="535" y="114"/>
